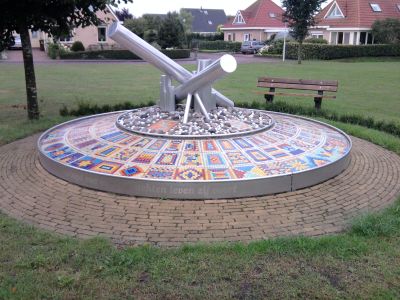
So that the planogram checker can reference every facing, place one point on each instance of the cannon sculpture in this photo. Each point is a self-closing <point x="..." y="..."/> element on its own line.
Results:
<point x="192" y="85"/>
<point x="172" y="152"/>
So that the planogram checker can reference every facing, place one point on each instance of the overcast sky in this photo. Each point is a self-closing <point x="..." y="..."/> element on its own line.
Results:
<point x="140" y="7"/>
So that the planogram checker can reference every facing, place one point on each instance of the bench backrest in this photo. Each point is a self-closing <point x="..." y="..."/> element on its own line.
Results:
<point x="298" y="84"/>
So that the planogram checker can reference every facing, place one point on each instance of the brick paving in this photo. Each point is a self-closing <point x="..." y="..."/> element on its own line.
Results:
<point x="29" y="193"/>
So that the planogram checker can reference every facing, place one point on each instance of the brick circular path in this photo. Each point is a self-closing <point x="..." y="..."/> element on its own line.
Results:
<point x="29" y="193"/>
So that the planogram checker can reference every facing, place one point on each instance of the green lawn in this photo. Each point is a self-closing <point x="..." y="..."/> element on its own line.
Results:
<point x="361" y="263"/>
<point x="367" y="88"/>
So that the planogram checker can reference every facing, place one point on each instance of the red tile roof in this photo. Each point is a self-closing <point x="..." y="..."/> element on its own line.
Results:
<point x="258" y="15"/>
<point x="358" y="13"/>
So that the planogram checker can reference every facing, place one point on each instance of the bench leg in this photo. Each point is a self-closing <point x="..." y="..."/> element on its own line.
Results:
<point x="318" y="103"/>
<point x="270" y="98"/>
<point x="318" y="100"/>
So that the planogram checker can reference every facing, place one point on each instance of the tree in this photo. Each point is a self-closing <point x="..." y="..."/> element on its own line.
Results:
<point x="172" y="33"/>
<point x="52" y="17"/>
<point x="137" y="26"/>
<point x="124" y="14"/>
<point x="299" y="15"/>
<point x="386" y="31"/>
<point x="186" y="19"/>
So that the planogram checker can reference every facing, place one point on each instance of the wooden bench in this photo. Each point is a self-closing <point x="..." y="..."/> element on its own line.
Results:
<point x="320" y="86"/>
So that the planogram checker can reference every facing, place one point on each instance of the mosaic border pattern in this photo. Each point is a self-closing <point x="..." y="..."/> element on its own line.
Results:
<point x="97" y="145"/>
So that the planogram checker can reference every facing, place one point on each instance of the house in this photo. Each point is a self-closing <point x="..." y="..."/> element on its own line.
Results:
<point x="349" y="22"/>
<point x="92" y="36"/>
<point x="206" y="21"/>
<point x="259" y="21"/>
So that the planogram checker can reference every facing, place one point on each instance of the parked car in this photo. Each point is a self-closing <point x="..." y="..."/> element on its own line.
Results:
<point x="17" y="43"/>
<point x="251" y="47"/>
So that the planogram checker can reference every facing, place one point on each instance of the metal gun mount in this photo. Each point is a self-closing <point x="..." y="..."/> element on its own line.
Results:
<point x="197" y="85"/>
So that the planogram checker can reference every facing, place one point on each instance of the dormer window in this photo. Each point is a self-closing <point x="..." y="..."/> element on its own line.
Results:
<point x="398" y="6"/>
<point x="239" y="18"/>
<point x="335" y="12"/>
<point x="209" y="22"/>
<point x="205" y="12"/>
<point x="272" y="15"/>
<point x="375" y="7"/>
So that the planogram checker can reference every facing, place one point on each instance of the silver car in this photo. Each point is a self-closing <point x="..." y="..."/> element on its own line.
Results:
<point x="251" y="47"/>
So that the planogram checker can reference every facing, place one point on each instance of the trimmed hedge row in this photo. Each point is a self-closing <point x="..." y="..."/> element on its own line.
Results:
<point x="390" y="127"/>
<point x="220" y="45"/>
<point x="121" y="54"/>
<point x="326" y="52"/>
<point x="85" y="108"/>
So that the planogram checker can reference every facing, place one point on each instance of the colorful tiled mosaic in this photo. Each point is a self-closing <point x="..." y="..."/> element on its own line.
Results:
<point x="98" y="145"/>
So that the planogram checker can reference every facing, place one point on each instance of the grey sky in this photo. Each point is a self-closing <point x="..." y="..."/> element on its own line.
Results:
<point x="140" y="7"/>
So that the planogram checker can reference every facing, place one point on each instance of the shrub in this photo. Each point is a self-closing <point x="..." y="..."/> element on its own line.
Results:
<point x="52" y="51"/>
<point x="55" y="50"/>
<point x="120" y="54"/>
<point x="355" y="119"/>
<point x="85" y="108"/>
<point x="386" y="31"/>
<point x="77" y="46"/>
<point x="275" y="47"/>
<point x="327" y="52"/>
<point x="315" y="41"/>
<point x="220" y="45"/>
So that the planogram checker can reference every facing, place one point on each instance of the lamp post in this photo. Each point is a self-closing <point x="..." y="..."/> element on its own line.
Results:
<point x="284" y="44"/>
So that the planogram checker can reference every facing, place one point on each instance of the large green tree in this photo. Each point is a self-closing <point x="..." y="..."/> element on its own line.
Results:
<point x="172" y="32"/>
<point x="299" y="14"/>
<point x="386" y="31"/>
<point x="50" y="16"/>
<point x="137" y="26"/>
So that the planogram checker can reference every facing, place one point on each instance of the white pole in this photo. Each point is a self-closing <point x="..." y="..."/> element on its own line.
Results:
<point x="284" y="45"/>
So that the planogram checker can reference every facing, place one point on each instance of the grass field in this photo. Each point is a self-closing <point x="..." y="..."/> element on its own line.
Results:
<point x="363" y="263"/>
<point x="367" y="88"/>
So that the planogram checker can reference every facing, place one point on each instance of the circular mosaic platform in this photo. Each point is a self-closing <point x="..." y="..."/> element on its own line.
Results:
<point x="293" y="154"/>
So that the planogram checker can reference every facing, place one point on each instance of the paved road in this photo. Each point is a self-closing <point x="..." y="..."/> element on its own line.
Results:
<point x="39" y="57"/>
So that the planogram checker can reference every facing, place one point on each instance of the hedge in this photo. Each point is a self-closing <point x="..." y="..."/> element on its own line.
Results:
<point x="220" y="45"/>
<point x="326" y="52"/>
<point x="85" y="108"/>
<point x="391" y="127"/>
<point x="120" y="54"/>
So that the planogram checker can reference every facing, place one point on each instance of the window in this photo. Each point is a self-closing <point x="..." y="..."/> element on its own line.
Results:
<point x="229" y="37"/>
<point x="246" y="37"/>
<point x="398" y="6"/>
<point x="370" y="39"/>
<point x="375" y="7"/>
<point x="205" y="12"/>
<point x="363" y="38"/>
<point x="317" y="36"/>
<point x="335" y="13"/>
<point x="346" y="39"/>
<point x="238" y="19"/>
<point x="209" y="22"/>
<point x="333" y="38"/>
<point x="272" y="15"/>
<point x="66" y="38"/>
<point x="355" y="42"/>
<point x="340" y="38"/>
<point x="34" y="34"/>
<point x="101" y="32"/>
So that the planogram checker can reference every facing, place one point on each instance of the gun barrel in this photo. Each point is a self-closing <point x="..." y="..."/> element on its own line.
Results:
<point x="144" y="50"/>
<point x="225" y="65"/>
<point x="147" y="52"/>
